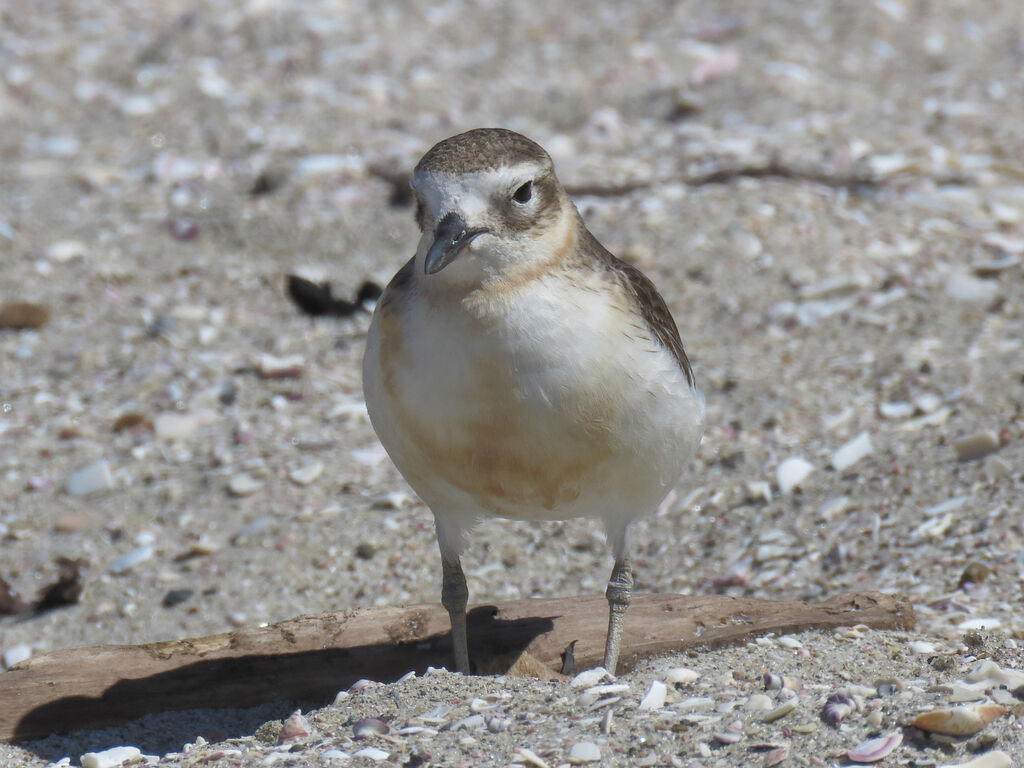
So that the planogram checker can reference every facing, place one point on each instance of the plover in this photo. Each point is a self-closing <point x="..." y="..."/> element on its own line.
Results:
<point x="515" y="368"/>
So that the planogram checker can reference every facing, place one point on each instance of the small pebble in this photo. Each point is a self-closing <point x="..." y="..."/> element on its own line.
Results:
<point x="15" y="655"/>
<point x="964" y="287"/>
<point x="243" y="484"/>
<point x="93" y="478"/>
<point x="128" y="561"/>
<point x="584" y="752"/>
<point x="993" y="267"/>
<point x="178" y="426"/>
<point x="372" y="753"/>
<point x="306" y="474"/>
<point x="65" y="250"/>
<point x="334" y="754"/>
<point x="792" y="472"/>
<point x="22" y="315"/>
<point x="976" y="446"/>
<point x="758" y="702"/>
<point x="270" y="367"/>
<point x="109" y="758"/>
<point x="852" y="452"/>
<point x="896" y="410"/>
<point x="995" y="759"/>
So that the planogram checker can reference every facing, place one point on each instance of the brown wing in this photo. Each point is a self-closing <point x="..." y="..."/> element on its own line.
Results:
<point x="652" y="307"/>
<point x="400" y="282"/>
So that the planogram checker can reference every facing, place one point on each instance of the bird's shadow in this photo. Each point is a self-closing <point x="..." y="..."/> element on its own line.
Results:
<point x="215" y="698"/>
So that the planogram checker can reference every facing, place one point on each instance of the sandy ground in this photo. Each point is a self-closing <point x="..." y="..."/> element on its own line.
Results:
<point x="162" y="170"/>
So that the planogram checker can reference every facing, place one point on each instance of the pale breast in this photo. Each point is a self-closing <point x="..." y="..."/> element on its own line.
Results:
<point x="544" y="409"/>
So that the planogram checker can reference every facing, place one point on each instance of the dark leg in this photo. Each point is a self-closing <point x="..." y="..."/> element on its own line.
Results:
<point x="619" y="594"/>
<point x="454" y="596"/>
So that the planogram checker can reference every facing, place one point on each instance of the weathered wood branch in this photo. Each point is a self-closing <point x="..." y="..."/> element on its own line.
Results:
<point x="310" y="658"/>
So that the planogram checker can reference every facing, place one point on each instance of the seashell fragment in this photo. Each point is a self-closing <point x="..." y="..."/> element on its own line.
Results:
<point x="589" y="677"/>
<point x="792" y="472"/>
<point x="498" y="724"/>
<point x="295" y="727"/>
<point x="372" y="753"/>
<point x="959" y="721"/>
<point x="471" y="723"/>
<point x="837" y="707"/>
<point x="775" y="756"/>
<point x="368" y="727"/>
<point x="994" y="759"/>
<point x="655" y="697"/>
<point x="681" y="675"/>
<point x="780" y="711"/>
<point x="852" y="452"/>
<point x="584" y="752"/>
<point x="529" y="757"/>
<point x="591" y="695"/>
<point x="110" y="758"/>
<point x="758" y="702"/>
<point x="361" y="685"/>
<point x="773" y="682"/>
<point x="873" y="750"/>
<point x="732" y="733"/>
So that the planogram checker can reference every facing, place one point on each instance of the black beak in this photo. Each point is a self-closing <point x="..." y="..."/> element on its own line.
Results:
<point x="450" y="239"/>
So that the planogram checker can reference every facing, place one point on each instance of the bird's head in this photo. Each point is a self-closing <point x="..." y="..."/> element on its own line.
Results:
<point x="487" y="203"/>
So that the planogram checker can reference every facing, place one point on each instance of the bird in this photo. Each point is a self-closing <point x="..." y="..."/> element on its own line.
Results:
<point x="515" y="368"/>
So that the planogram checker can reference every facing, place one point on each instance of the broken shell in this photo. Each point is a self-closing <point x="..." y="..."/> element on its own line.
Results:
<point x="775" y="756"/>
<point x="482" y="705"/>
<point x="780" y="711"/>
<point x="362" y="685"/>
<point x="368" y="727"/>
<point x="295" y="727"/>
<point x="584" y="752"/>
<point x="498" y="724"/>
<point x="873" y="750"/>
<point x="994" y="759"/>
<point x="655" y="697"/>
<point x="732" y="733"/>
<point x="681" y="675"/>
<point x="959" y="721"/>
<point x="792" y="472"/>
<point x="591" y="695"/>
<point x="773" y="682"/>
<point x="589" y="677"/>
<point x="837" y="707"/>
<point x="852" y="452"/>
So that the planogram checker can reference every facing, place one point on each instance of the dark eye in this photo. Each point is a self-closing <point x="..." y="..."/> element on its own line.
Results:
<point x="524" y="193"/>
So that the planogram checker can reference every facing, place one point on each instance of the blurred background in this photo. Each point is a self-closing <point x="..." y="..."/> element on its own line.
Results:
<point x="829" y="195"/>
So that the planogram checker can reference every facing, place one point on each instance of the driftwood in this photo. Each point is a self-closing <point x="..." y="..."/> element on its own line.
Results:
<point x="310" y="658"/>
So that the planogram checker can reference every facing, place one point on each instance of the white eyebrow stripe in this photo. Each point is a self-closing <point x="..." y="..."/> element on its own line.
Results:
<point x="470" y="193"/>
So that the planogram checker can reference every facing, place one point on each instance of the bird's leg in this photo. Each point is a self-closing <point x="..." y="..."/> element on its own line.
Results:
<point x="619" y="594"/>
<point x="454" y="596"/>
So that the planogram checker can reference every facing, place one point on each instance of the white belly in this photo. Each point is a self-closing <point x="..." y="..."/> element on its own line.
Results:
<point x="558" y="406"/>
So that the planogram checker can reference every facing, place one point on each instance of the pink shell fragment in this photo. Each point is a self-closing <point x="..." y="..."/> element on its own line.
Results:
<point x="295" y="727"/>
<point x="873" y="750"/>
